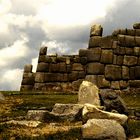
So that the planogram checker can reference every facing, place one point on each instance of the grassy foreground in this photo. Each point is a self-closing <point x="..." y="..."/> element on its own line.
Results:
<point x="16" y="106"/>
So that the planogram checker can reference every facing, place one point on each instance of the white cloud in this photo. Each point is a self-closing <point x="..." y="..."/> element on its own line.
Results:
<point x="11" y="79"/>
<point x="5" y="6"/>
<point x="10" y="54"/>
<point x="71" y="12"/>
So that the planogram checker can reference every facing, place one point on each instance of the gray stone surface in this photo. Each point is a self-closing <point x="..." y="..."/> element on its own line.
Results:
<point x="103" y="129"/>
<point x="67" y="112"/>
<point x="88" y="93"/>
<point x="112" y="101"/>
<point x="36" y="115"/>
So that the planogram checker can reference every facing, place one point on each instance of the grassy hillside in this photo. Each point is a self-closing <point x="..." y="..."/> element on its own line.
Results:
<point x="16" y="106"/>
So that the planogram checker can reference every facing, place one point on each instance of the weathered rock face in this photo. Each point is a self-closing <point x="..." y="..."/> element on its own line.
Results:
<point x="103" y="129"/>
<point x="92" y="112"/>
<point x="96" y="30"/>
<point x="67" y="112"/>
<point x="88" y="93"/>
<point x="37" y="115"/>
<point x="112" y="101"/>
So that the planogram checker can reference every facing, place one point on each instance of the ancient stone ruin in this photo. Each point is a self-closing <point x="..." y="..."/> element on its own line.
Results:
<point x="111" y="62"/>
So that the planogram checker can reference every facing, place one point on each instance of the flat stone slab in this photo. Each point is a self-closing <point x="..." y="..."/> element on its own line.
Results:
<point x="93" y="112"/>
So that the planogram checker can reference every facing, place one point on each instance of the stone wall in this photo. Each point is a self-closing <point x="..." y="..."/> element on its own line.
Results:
<point x="109" y="62"/>
<point x="58" y="73"/>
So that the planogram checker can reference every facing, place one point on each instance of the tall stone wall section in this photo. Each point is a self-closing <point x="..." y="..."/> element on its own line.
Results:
<point x="109" y="62"/>
<point x="58" y="73"/>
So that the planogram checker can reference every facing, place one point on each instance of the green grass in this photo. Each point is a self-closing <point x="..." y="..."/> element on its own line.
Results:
<point x="18" y="105"/>
<point x="132" y="100"/>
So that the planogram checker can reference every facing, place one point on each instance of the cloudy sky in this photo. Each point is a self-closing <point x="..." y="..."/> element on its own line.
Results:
<point x="62" y="25"/>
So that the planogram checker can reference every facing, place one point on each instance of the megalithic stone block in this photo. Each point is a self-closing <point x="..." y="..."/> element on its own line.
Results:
<point x="131" y="32"/>
<point x="95" y="68"/>
<point x="107" y="56"/>
<point x="121" y="40"/>
<point x="95" y="41"/>
<point x="129" y="41"/>
<point x="137" y="41"/>
<point x="43" y="51"/>
<point x="26" y="87"/>
<point x="130" y="60"/>
<point x="28" y="68"/>
<point x="96" y="30"/>
<point x="43" y="67"/>
<point x="125" y="73"/>
<point x="113" y="72"/>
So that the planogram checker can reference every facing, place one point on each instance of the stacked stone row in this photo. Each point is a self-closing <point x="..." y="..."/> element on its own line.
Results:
<point x="28" y="79"/>
<point x="113" y="64"/>
<point x="53" y="70"/>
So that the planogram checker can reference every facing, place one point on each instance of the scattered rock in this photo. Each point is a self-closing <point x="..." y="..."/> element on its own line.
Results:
<point x="37" y="115"/>
<point x="25" y="123"/>
<point x="92" y="112"/>
<point x="103" y="129"/>
<point x="67" y="112"/>
<point x="96" y="30"/>
<point x="112" y="101"/>
<point x="88" y="93"/>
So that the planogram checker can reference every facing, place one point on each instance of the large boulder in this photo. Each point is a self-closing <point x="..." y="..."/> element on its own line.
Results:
<point x="88" y="93"/>
<point x="67" y="112"/>
<point x="92" y="112"/>
<point x="112" y="101"/>
<point x="103" y="129"/>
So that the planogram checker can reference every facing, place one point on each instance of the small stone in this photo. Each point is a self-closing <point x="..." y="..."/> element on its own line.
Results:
<point x="96" y="30"/>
